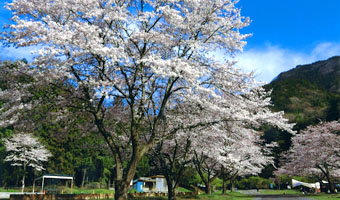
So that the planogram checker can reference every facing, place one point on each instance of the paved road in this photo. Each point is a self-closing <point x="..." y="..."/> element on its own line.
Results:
<point x="259" y="196"/>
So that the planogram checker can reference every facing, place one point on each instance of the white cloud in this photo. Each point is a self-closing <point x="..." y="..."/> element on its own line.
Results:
<point x="270" y="61"/>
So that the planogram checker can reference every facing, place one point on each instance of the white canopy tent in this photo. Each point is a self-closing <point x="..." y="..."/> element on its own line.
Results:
<point x="51" y="176"/>
<point x="296" y="183"/>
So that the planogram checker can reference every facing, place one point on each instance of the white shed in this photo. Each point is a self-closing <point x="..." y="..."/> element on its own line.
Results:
<point x="52" y="176"/>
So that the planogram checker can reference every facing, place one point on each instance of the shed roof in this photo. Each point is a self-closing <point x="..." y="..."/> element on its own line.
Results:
<point x="55" y="176"/>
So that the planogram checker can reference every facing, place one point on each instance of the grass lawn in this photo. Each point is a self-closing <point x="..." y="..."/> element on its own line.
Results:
<point x="214" y="196"/>
<point x="320" y="196"/>
<point x="323" y="196"/>
<point x="265" y="191"/>
<point x="9" y="190"/>
<point x="180" y="189"/>
<point x="88" y="191"/>
<point x="219" y="196"/>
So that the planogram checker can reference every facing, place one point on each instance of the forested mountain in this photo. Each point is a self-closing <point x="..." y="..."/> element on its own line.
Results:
<point x="326" y="74"/>
<point x="308" y="93"/>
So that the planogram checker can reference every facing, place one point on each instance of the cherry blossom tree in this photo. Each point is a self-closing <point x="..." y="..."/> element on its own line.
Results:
<point x="225" y="148"/>
<point x="150" y="55"/>
<point x="248" y="157"/>
<point x="26" y="151"/>
<point x="315" y="150"/>
<point x="236" y="152"/>
<point x="170" y="158"/>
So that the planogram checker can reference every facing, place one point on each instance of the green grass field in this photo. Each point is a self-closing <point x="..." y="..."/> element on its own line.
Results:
<point x="320" y="196"/>
<point x="323" y="196"/>
<point x="228" y="196"/>
<point x="264" y="191"/>
<point x="91" y="191"/>
<point x="9" y="190"/>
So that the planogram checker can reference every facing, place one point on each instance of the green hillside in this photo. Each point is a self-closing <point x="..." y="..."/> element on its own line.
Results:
<point x="308" y="93"/>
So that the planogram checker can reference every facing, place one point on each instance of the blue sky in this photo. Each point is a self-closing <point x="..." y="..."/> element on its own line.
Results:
<point x="285" y="33"/>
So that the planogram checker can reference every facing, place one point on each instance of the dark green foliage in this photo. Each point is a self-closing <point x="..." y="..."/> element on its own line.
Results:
<point x="143" y="168"/>
<point x="304" y="102"/>
<point x="190" y="178"/>
<point x="253" y="182"/>
<point x="74" y="144"/>
<point x="333" y="112"/>
<point x="283" y="139"/>
<point x="6" y="176"/>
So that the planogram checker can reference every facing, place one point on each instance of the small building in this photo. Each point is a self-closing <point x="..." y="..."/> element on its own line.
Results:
<point x="155" y="184"/>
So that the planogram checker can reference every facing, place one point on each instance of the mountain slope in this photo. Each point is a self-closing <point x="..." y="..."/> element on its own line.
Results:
<point x="326" y="74"/>
<point x="309" y="93"/>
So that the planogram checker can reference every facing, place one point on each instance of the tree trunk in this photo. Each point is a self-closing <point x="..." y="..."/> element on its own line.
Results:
<point x="23" y="183"/>
<point x="23" y="179"/>
<point x="224" y="186"/>
<point x="171" y="190"/>
<point x="123" y="178"/>
<point x="84" y="176"/>
<point x="331" y="184"/>
<point x="121" y="190"/>
<point x="208" y="188"/>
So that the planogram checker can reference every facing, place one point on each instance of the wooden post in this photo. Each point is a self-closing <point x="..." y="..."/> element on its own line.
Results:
<point x="33" y="185"/>
<point x="42" y="185"/>
<point x="72" y="186"/>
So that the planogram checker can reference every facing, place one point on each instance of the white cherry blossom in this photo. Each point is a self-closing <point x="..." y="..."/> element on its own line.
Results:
<point x="26" y="151"/>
